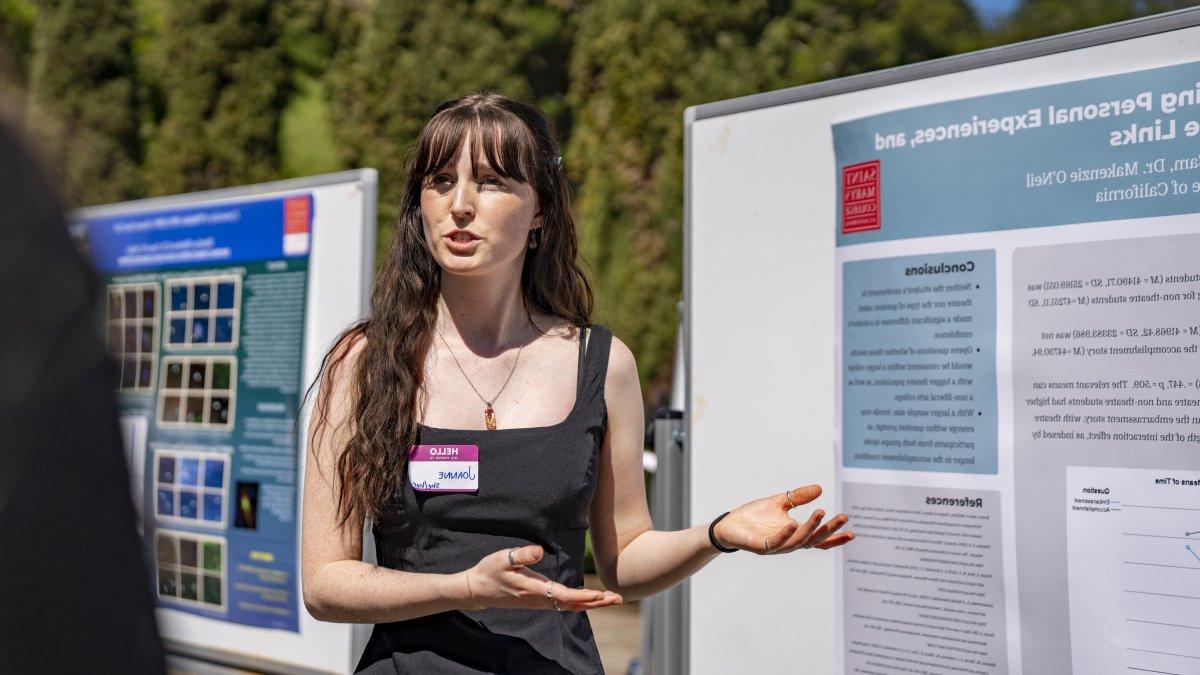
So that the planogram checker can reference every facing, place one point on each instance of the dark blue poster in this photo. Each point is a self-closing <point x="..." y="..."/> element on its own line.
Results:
<point x="204" y="314"/>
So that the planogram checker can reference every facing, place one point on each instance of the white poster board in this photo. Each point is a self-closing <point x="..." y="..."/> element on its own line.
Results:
<point x="964" y="302"/>
<point x="218" y="309"/>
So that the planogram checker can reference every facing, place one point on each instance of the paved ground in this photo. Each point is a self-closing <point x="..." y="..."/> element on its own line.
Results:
<point x="618" y="631"/>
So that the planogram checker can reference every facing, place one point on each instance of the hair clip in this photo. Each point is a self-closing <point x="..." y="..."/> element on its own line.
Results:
<point x="557" y="161"/>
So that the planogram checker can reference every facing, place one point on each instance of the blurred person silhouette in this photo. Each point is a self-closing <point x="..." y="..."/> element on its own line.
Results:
<point x="74" y="592"/>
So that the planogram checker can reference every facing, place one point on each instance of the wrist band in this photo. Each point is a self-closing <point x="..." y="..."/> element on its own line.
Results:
<point x="712" y="538"/>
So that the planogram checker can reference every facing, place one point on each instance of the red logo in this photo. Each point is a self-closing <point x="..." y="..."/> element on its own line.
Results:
<point x="860" y="197"/>
<point x="297" y="214"/>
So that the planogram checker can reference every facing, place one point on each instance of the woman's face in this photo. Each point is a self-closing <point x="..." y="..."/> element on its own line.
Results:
<point x="477" y="221"/>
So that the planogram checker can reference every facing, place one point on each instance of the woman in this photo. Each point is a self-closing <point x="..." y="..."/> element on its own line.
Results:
<point x="483" y="424"/>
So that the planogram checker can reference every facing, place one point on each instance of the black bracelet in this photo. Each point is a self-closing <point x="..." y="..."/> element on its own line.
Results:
<point x="712" y="538"/>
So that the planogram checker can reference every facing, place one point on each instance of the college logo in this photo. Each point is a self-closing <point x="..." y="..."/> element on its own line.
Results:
<point x="297" y="222"/>
<point x="860" y="197"/>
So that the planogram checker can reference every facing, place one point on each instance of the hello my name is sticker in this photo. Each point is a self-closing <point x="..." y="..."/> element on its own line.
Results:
<point x="444" y="468"/>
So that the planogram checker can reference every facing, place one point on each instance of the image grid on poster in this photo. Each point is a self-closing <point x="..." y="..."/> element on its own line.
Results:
<point x="132" y="333"/>
<point x="191" y="569"/>
<point x="197" y="392"/>
<point x="203" y="311"/>
<point x="191" y="487"/>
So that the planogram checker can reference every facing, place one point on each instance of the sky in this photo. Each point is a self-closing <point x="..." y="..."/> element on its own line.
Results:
<point x="989" y="10"/>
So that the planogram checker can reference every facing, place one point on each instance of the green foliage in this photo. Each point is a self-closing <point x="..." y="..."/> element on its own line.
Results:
<point x="306" y="145"/>
<point x="637" y="65"/>
<point x="822" y="39"/>
<point x="1039" y="18"/>
<point x="223" y="74"/>
<point x="148" y="31"/>
<point x="412" y="56"/>
<point x="313" y="30"/>
<point x="83" y="97"/>
<point x="313" y="34"/>
<point x="16" y="33"/>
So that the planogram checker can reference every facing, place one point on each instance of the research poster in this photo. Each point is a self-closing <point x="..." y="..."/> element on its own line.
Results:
<point x="204" y="314"/>
<point x="1019" y="380"/>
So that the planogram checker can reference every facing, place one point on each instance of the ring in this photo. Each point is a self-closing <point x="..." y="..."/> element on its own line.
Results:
<point x="511" y="562"/>
<point x="766" y="546"/>
<point x="791" y="505"/>
<point x="550" y="595"/>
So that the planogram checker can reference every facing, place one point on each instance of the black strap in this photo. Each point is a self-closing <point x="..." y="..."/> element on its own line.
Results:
<point x="579" y="372"/>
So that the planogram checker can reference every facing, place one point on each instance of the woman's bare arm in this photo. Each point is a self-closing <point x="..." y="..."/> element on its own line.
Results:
<point x="634" y="559"/>
<point x="631" y="557"/>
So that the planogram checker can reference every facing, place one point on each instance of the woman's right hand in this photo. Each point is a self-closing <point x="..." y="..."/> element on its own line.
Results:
<point x="494" y="582"/>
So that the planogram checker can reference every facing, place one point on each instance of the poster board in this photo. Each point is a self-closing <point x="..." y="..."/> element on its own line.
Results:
<point x="218" y="307"/>
<point x="970" y="288"/>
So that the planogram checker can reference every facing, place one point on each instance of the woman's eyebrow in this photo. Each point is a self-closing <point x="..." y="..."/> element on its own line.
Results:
<point x="482" y="166"/>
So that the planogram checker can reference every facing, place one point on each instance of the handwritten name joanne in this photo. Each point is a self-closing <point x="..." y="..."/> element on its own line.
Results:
<point x="465" y="474"/>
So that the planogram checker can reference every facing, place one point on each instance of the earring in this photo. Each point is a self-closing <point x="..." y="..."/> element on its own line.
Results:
<point x="532" y="239"/>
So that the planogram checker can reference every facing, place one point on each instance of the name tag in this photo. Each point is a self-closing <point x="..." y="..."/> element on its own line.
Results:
<point x="444" y="468"/>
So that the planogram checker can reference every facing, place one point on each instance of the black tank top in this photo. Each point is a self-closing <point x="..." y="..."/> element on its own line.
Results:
<point x="535" y="487"/>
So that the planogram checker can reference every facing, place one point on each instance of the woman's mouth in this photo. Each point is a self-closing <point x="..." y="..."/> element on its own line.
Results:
<point x="461" y="241"/>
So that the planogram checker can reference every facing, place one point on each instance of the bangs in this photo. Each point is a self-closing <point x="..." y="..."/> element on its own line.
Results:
<point x="498" y="139"/>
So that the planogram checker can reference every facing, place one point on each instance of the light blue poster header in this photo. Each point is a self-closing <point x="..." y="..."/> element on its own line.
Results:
<point x="1109" y="148"/>
<point x="199" y="236"/>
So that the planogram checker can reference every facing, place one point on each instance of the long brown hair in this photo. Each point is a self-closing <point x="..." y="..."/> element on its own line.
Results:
<point x="518" y="143"/>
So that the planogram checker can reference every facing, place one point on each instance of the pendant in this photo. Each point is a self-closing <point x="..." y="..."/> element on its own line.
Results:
<point x="489" y="418"/>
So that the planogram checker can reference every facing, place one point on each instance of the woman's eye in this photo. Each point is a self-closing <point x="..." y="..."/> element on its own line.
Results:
<point x="440" y="179"/>
<point x="491" y="182"/>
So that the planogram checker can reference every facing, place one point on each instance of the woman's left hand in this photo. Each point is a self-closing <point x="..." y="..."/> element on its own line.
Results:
<point x="763" y="526"/>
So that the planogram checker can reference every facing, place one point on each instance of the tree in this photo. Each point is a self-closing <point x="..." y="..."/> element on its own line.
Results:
<point x="821" y="39"/>
<point x="635" y="68"/>
<point x="313" y="35"/>
<point x="411" y="56"/>
<point x="83" y="101"/>
<point x="224" y="82"/>
<point x="16" y="36"/>
<point x="1039" y="18"/>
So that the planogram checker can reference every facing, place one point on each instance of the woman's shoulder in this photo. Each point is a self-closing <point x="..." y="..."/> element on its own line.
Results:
<point x="622" y="388"/>
<point x="620" y="361"/>
<point x="616" y="348"/>
<point x="622" y="365"/>
<point x="350" y="345"/>
<point x="342" y="360"/>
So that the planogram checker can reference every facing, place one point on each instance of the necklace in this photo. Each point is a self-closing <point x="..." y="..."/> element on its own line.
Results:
<point x="489" y="413"/>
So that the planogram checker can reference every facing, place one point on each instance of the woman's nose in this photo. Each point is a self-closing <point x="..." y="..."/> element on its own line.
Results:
<point x="463" y="206"/>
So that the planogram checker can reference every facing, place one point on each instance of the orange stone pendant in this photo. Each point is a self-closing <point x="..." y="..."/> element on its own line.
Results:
<point x="489" y="418"/>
